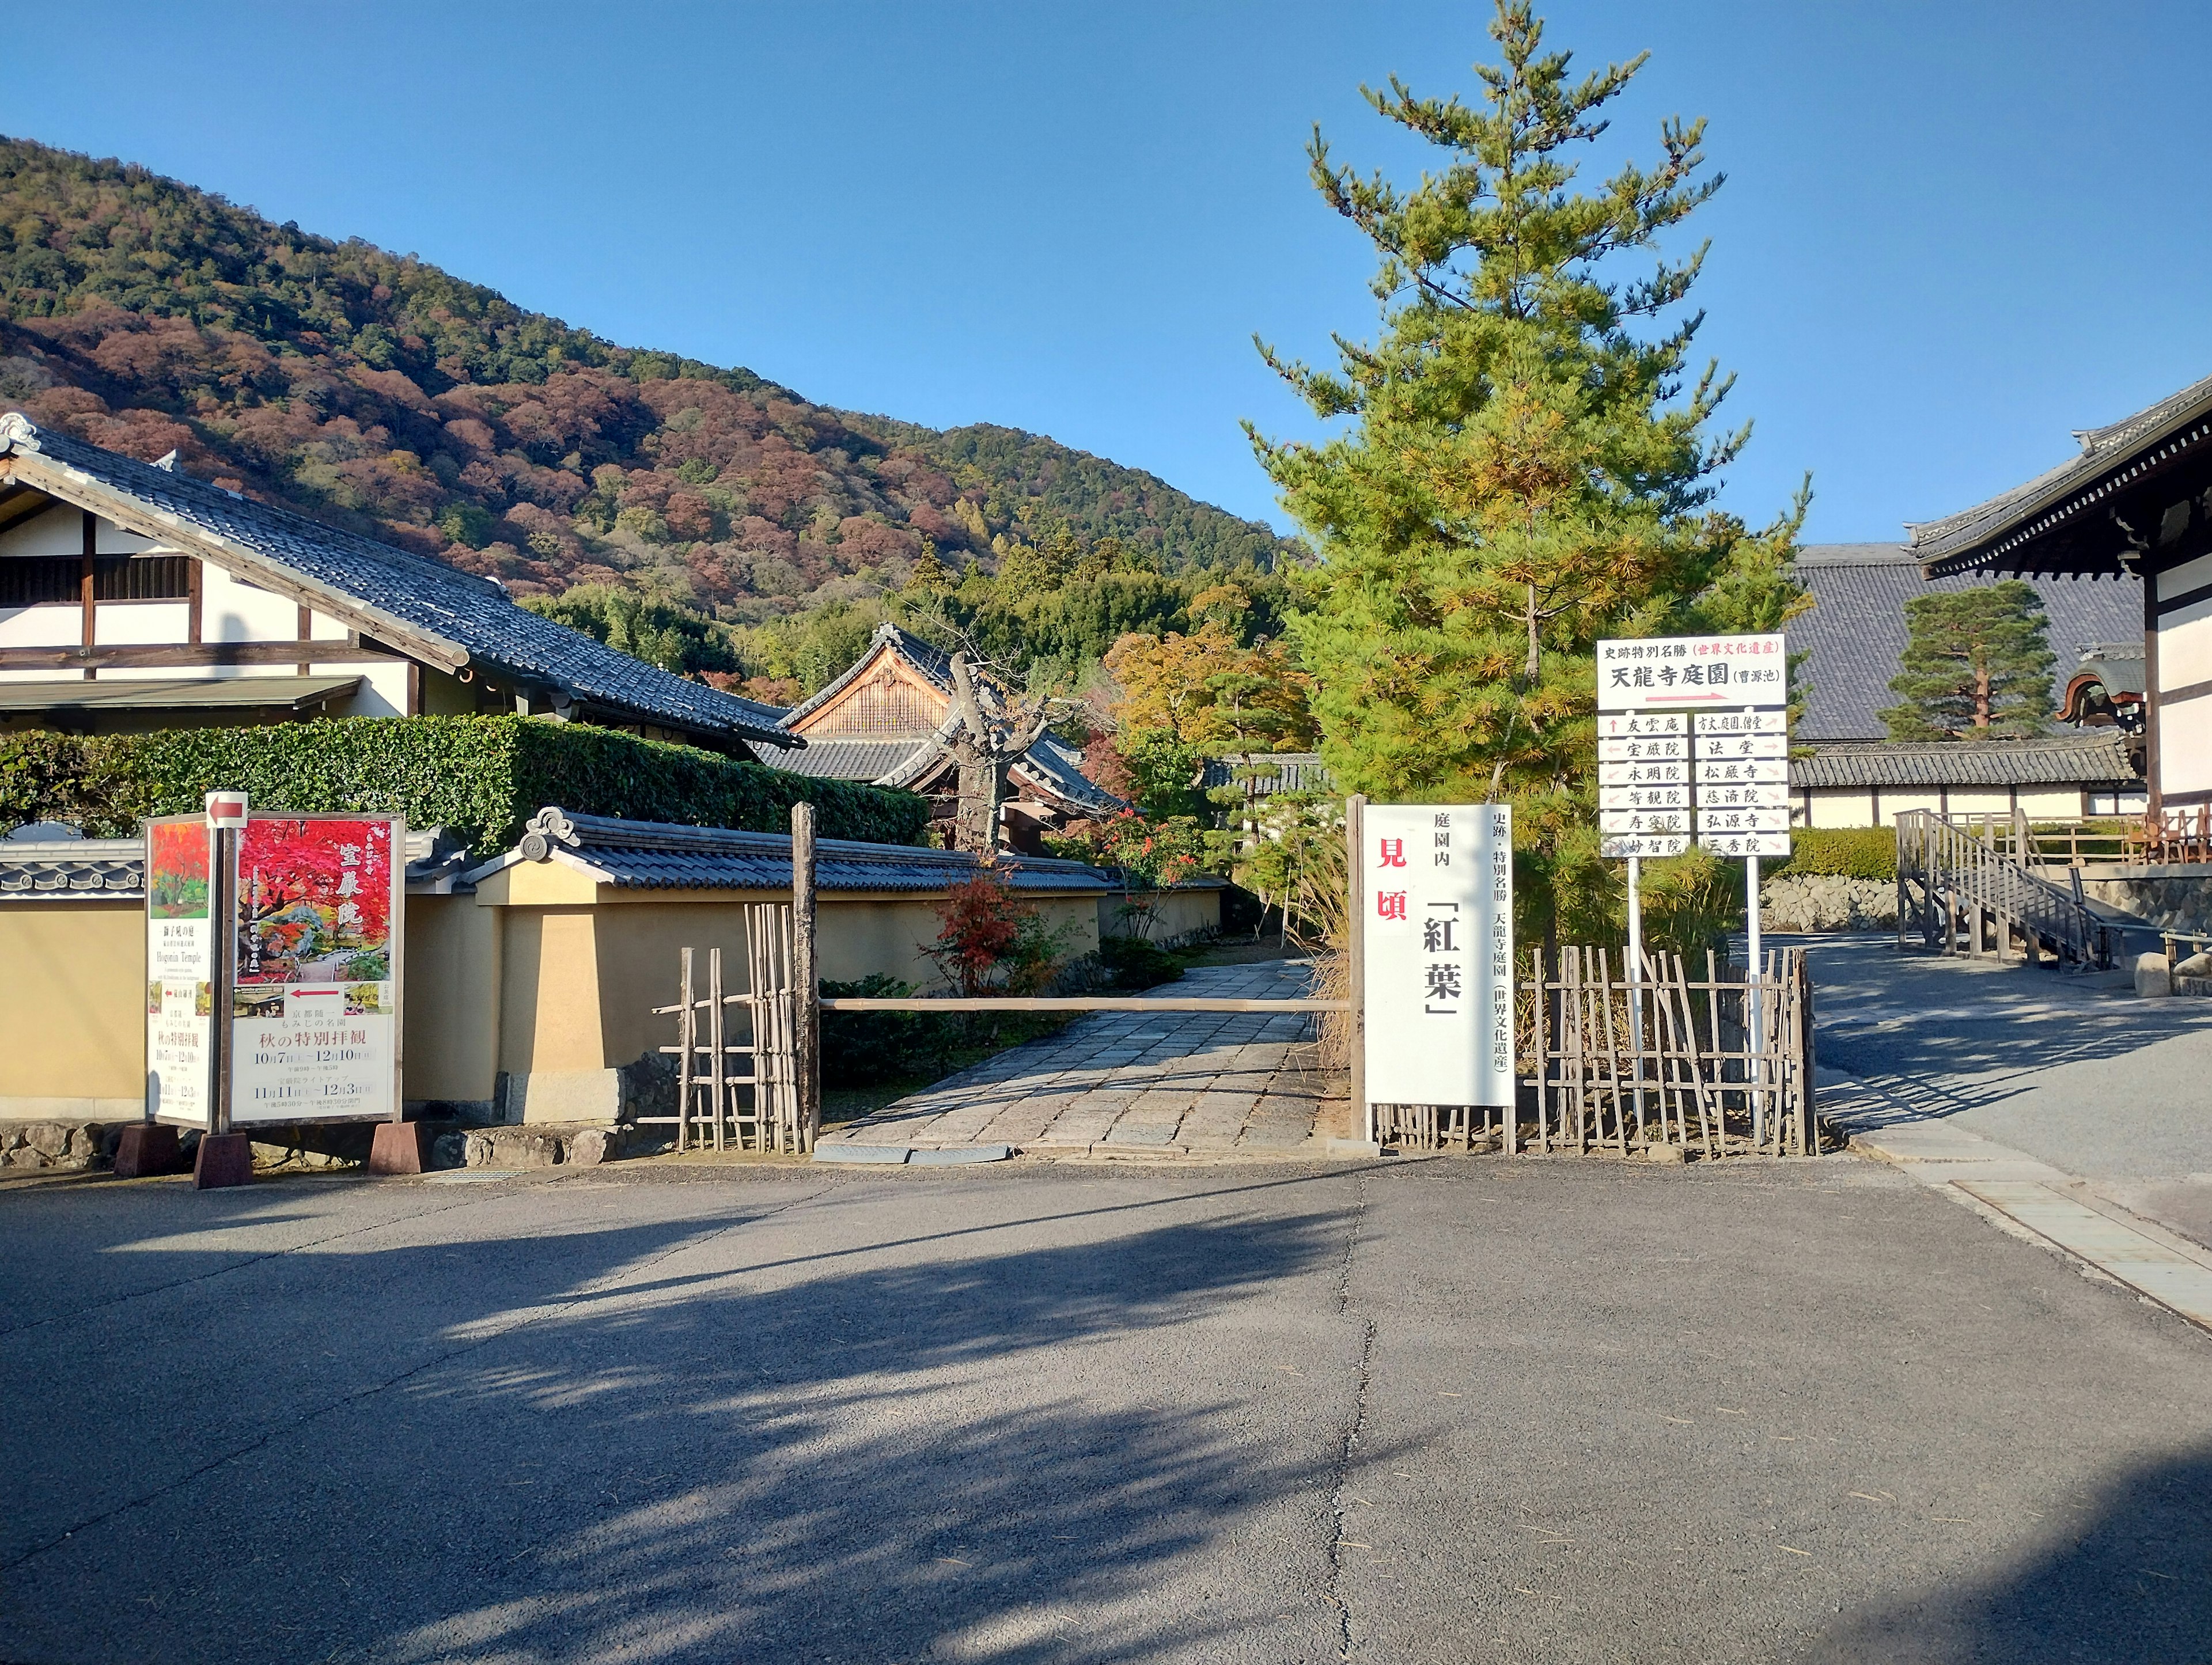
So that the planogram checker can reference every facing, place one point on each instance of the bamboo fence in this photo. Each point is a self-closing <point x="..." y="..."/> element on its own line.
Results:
<point x="1612" y="1063"/>
<point x="738" y="1083"/>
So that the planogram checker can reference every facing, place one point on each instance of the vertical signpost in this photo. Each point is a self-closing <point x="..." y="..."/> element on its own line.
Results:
<point x="1435" y="889"/>
<point x="1693" y="742"/>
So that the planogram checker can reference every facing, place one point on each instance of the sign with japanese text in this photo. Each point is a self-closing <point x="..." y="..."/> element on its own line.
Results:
<point x="1437" y="885"/>
<point x="1693" y="742"/>
<point x="181" y="946"/>
<point x="315" y="1007"/>
<point x="1685" y="673"/>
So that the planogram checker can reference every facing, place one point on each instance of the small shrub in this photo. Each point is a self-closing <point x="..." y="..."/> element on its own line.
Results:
<point x="1842" y="853"/>
<point x="1133" y="962"/>
<point x="862" y="1049"/>
<point x="991" y="941"/>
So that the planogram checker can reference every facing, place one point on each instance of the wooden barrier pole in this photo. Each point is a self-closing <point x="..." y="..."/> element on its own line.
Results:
<point x="1363" y="1113"/>
<point x="806" y="979"/>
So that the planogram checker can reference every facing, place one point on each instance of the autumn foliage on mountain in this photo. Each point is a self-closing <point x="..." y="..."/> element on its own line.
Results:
<point x="375" y="390"/>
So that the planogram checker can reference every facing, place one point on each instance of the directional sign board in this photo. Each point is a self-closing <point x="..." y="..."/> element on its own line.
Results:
<point x="1693" y="740"/>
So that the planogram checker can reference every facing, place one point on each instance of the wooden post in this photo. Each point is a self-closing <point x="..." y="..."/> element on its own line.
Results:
<point x="1355" y="944"/>
<point x="87" y="601"/>
<point x="805" y="975"/>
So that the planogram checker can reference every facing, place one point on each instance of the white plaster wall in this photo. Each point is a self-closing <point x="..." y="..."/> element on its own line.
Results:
<point x="126" y="623"/>
<point x="46" y="626"/>
<point x="60" y="532"/>
<point x="2185" y="745"/>
<point x="2185" y="647"/>
<point x="2181" y="580"/>
<point x="383" y="691"/>
<point x="233" y="610"/>
<point x="1838" y="806"/>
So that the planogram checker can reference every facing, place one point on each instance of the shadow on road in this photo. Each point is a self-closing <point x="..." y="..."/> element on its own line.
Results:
<point x="2127" y="1581"/>
<point x="624" y="1443"/>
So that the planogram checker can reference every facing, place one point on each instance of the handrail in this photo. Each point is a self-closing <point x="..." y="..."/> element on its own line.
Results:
<point x="1958" y="872"/>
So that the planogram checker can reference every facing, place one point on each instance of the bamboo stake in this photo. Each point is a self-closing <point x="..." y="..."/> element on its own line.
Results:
<point x="1612" y="1053"/>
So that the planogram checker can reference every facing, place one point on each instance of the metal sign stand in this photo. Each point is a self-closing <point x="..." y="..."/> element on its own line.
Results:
<point x="224" y="1158"/>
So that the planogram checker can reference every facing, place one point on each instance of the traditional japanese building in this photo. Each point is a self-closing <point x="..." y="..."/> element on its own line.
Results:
<point x="1854" y="638"/>
<point x="2134" y="507"/>
<point x="135" y="597"/>
<point x="886" y="720"/>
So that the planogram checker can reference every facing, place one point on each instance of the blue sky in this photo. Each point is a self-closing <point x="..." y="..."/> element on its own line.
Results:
<point x="1950" y="234"/>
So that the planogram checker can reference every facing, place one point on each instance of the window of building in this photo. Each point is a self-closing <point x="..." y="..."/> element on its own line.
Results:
<point x="59" y="580"/>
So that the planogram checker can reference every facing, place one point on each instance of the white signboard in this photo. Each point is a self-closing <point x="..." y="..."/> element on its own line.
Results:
<point x="1685" y="673"/>
<point x="1436" y="882"/>
<point x="1648" y="845"/>
<point x="1745" y="843"/>
<point x="315" y="1005"/>
<point x="179" y="970"/>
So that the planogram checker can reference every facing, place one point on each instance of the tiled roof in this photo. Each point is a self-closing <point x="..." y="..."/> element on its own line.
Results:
<point x="838" y="759"/>
<point x="37" y="870"/>
<point x="2097" y="758"/>
<point x="1855" y="633"/>
<point x="41" y="869"/>
<point x="1052" y="767"/>
<point x="656" y="855"/>
<point x="1267" y="775"/>
<point x="415" y="602"/>
<point x="1972" y="535"/>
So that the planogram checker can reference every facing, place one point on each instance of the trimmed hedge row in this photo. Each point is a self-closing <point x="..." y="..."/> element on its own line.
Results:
<point x="1841" y="853"/>
<point x="481" y="777"/>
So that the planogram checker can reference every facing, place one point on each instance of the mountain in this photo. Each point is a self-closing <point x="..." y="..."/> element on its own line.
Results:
<point x="377" y="392"/>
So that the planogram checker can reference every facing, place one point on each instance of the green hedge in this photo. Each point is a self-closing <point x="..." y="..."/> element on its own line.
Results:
<point x="482" y="777"/>
<point x="1842" y="853"/>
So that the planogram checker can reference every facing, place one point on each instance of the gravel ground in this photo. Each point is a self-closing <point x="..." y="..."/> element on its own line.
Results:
<point x="1426" y="1411"/>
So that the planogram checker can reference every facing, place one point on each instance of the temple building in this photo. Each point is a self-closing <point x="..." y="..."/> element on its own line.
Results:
<point x="2133" y="509"/>
<point x="1849" y="774"/>
<point x="133" y="597"/>
<point x="886" y="720"/>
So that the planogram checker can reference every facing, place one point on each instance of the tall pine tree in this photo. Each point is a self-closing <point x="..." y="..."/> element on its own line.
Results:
<point x="1527" y="469"/>
<point x="1977" y="665"/>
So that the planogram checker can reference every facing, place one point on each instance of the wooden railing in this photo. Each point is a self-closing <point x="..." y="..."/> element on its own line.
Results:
<point x="1963" y="888"/>
<point x="2175" y="836"/>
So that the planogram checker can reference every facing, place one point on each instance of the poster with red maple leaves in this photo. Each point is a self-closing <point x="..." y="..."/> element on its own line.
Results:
<point x="315" y="983"/>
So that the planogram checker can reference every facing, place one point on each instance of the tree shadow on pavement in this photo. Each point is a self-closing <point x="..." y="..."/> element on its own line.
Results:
<point x="2125" y="1580"/>
<point x="633" y="1454"/>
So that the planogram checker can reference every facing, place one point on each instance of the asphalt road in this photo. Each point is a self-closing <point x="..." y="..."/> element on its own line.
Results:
<point x="2076" y="1071"/>
<point x="1441" y="1411"/>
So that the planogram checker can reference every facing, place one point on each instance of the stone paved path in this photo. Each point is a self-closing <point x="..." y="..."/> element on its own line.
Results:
<point x="1126" y="1083"/>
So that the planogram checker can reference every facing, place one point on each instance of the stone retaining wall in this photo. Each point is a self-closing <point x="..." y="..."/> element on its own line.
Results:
<point x="1820" y="902"/>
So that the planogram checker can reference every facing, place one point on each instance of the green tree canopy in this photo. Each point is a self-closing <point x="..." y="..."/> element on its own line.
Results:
<point x="1526" y="470"/>
<point x="1977" y="665"/>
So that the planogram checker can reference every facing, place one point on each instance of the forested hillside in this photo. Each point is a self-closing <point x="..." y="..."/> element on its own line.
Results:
<point x="374" y="389"/>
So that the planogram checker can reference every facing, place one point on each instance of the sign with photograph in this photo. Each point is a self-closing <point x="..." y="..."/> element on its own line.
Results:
<point x="1437" y="886"/>
<point x="314" y="992"/>
<point x="180" y="947"/>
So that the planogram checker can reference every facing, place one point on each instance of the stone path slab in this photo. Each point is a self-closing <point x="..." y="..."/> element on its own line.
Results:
<point x="1140" y="1083"/>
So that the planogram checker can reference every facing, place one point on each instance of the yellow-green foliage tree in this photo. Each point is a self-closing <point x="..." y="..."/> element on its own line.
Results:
<point x="1528" y="467"/>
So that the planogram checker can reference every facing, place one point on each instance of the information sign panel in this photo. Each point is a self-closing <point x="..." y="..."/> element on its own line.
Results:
<point x="1642" y="748"/>
<point x="1745" y="843"/>
<point x="1619" y="846"/>
<point x="1674" y="797"/>
<point x="180" y="945"/>
<point x="315" y="992"/>
<point x="1438" y="884"/>
<point x="1685" y="673"/>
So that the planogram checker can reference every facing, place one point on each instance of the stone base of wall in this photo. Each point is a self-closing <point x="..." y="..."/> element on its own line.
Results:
<point x="2170" y="902"/>
<point x="1815" y="902"/>
<point x="26" y="1147"/>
